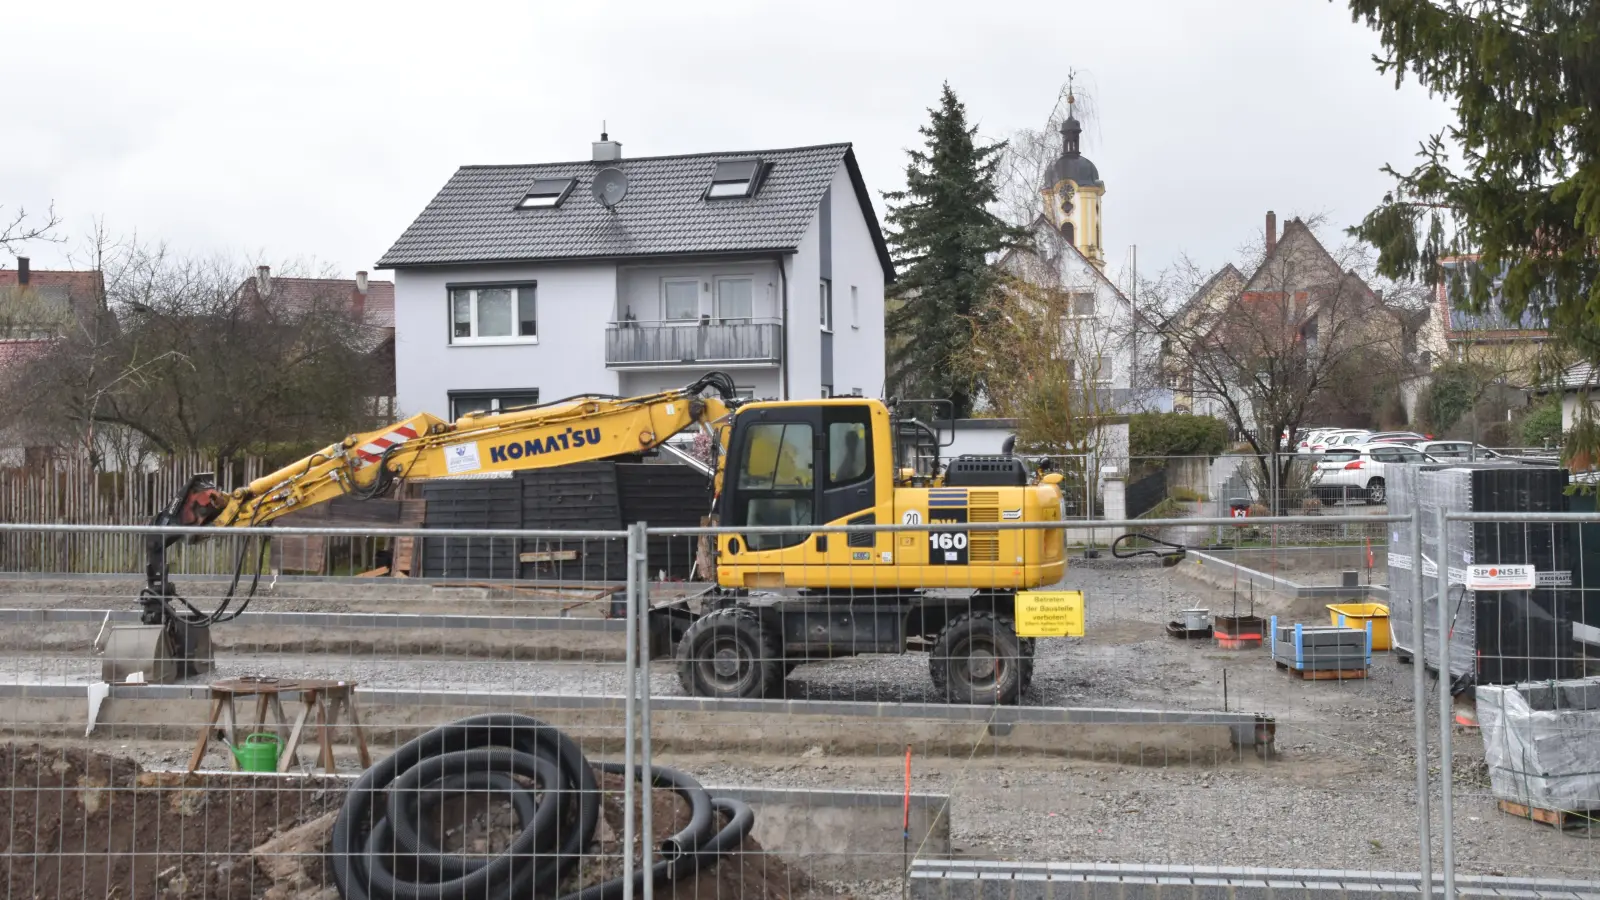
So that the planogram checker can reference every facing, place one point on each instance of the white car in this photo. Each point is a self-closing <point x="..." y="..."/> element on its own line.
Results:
<point x="1308" y="437"/>
<point x="1457" y="450"/>
<point x="1357" y="473"/>
<point x="1345" y="437"/>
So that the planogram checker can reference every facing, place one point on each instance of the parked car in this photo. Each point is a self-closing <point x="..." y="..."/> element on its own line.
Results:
<point x="1358" y="473"/>
<point x="1309" y="436"/>
<point x="1346" y="437"/>
<point x="1457" y="450"/>
<point x="1400" y="437"/>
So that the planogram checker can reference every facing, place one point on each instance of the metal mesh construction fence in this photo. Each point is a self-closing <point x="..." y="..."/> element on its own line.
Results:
<point x="1224" y="703"/>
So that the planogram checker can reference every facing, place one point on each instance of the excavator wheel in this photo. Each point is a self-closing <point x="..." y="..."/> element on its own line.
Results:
<point x="728" y="654"/>
<point x="979" y="659"/>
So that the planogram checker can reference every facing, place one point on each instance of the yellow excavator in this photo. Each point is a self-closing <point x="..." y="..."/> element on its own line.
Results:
<point x="781" y="599"/>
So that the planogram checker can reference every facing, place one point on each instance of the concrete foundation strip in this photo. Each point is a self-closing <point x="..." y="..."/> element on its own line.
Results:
<point x="1249" y="576"/>
<point x="987" y="880"/>
<point x="1247" y="729"/>
<point x="267" y="619"/>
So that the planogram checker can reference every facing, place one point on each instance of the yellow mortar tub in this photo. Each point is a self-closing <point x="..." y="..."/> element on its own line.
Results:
<point x="1357" y="615"/>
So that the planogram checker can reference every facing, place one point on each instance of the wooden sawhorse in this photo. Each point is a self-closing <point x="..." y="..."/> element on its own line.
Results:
<point x="319" y="696"/>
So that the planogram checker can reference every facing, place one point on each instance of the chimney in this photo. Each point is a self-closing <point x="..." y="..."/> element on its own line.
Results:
<point x="607" y="150"/>
<point x="1272" y="230"/>
<point x="22" y="270"/>
<point x="358" y="297"/>
<point x="263" y="280"/>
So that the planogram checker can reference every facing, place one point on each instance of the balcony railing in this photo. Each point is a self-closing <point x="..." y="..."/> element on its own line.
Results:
<point x="633" y="344"/>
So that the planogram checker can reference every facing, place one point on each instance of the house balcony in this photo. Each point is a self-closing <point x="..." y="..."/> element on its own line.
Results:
<point x="727" y="343"/>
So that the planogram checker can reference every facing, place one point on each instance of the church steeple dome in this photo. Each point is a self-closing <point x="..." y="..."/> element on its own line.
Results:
<point x="1070" y="133"/>
<point x="1073" y="189"/>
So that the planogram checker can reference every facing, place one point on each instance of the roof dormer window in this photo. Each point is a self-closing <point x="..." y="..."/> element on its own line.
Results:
<point x="546" y="192"/>
<point x="734" y="178"/>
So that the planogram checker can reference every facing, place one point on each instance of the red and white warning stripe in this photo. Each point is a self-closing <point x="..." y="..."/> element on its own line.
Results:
<point x="372" y="451"/>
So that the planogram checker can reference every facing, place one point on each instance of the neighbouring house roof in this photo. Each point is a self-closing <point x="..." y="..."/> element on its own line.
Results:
<point x="1579" y="375"/>
<point x="1228" y="273"/>
<point x="475" y="217"/>
<point x="1493" y="323"/>
<point x="376" y="308"/>
<point x="77" y="292"/>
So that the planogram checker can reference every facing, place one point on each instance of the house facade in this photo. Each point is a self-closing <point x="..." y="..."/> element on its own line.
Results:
<point x="524" y="283"/>
<point x="1267" y="343"/>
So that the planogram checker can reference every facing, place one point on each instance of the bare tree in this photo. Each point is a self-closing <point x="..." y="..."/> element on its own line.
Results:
<point x="1304" y="333"/>
<point x="188" y="354"/>
<point x="20" y="228"/>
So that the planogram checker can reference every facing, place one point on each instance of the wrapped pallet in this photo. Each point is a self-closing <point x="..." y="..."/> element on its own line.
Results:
<point x="1540" y="741"/>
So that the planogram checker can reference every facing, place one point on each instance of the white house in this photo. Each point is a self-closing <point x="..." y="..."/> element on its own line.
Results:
<point x="518" y="285"/>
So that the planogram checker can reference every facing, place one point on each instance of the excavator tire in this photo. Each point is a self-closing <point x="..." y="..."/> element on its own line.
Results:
<point x="979" y="659"/>
<point x="728" y="654"/>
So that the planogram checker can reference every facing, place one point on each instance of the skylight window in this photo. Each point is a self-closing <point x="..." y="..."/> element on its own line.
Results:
<point x="546" y="192"/>
<point x="734" y="178"/>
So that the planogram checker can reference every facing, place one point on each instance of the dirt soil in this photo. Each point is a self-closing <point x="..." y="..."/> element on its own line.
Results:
<point x="87" y="826"/>
<point x="82" y="825"/>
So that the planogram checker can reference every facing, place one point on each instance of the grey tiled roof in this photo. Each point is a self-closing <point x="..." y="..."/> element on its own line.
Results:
<point x="474" y="217"/>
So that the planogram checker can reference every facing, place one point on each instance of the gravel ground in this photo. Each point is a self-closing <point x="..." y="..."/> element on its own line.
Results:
<point x="1341" y="794"/>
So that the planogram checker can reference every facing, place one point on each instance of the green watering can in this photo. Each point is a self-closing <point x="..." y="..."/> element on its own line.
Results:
<point x="258" y="753"/>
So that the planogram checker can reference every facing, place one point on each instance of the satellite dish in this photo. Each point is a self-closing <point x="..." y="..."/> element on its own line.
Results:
<point x="610" y="186"/>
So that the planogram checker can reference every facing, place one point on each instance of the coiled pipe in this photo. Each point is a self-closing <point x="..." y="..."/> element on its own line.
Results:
<point x="383" y="850"/>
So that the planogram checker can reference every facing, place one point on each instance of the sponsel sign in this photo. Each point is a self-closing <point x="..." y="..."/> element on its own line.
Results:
<point x="1501" y="578"/>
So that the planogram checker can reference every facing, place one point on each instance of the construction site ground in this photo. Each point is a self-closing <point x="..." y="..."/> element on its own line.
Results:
<point x="1339" y="792"/>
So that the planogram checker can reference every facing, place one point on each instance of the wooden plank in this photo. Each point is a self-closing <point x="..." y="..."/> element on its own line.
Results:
<point x="1556" y="818"/>
<point x="529" y="556"/>
<point x="205" y="734"/>
<point x="1328" y="674"/>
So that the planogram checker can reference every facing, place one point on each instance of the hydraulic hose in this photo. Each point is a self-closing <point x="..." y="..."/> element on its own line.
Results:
<point x="1169" y="557"/>
<point x="382" y="848"/>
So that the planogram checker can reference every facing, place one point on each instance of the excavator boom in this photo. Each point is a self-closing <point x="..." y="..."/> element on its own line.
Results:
<point x="422" y="447"/>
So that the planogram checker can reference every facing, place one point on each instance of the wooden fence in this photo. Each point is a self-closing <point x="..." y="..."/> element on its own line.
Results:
<point x="74" y="493"/>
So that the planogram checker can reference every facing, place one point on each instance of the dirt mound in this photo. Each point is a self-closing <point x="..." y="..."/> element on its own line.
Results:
<point x="85" y="825"/>
<point x="77" y="825"/>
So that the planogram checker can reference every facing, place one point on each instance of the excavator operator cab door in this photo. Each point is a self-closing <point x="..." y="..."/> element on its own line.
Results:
<point x="803" y="464"/>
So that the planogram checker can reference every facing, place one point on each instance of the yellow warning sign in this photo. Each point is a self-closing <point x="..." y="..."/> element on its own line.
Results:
<point x="1049" y="614"/>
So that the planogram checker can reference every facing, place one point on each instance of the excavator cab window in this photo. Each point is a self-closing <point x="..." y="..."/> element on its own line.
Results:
<point x="777" y="481"/>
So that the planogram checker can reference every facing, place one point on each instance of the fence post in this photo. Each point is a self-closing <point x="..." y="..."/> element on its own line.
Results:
<point x="1446" y="751"/>
<point x="1419" y="700"/>
<point x="639" y="553"/>
<point x="630" y="668"/>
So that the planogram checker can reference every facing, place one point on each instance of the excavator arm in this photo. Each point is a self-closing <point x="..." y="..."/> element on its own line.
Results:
<point x="577" y="429"/>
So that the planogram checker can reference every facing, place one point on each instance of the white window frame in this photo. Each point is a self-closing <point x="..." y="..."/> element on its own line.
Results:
<point x="855" y="308"/>
<point x="692" y="320"/>
<point x="1102" y="362"/>
<point x="716" y="298"/>
<point x="1074" y="296"/>
<point x="525" y="292"/>
<point x="825" y="301"/>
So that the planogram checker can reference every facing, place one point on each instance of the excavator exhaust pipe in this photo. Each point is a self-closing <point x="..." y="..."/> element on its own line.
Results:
<point x="155" y="654"/>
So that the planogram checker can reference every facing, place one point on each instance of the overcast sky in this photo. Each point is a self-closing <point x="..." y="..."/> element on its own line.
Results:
<point x="319" y="130"/>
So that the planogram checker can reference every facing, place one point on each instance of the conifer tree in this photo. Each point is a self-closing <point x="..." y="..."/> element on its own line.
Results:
<point x="943" y="235"/>
<point x="1521" y="76"/>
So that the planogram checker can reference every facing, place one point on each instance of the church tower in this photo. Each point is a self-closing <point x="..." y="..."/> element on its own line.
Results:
<point x="1072" y="192"/>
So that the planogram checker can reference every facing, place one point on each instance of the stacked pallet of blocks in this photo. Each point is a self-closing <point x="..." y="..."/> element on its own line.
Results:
<point x="1321" y="652"/>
